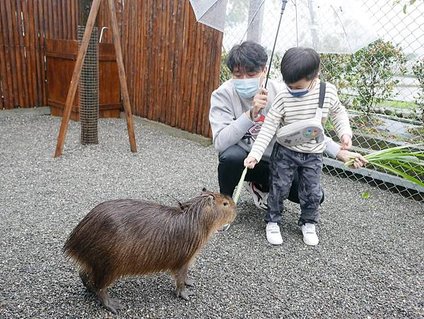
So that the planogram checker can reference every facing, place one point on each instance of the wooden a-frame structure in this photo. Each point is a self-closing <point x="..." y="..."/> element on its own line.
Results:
<point x="77" y="73"/>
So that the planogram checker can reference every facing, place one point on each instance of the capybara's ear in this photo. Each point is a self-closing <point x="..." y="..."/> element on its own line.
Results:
<point x="211" y="199"/>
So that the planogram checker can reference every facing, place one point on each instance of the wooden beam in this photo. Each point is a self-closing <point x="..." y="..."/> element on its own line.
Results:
<point x="76" y="76"/>
<point x="122" y="76"/>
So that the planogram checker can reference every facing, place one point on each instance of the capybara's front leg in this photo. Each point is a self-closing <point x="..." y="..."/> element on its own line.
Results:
<point x="110" y="304"/>
<point x="181" y="281"/>
<point x="189" y="282"/>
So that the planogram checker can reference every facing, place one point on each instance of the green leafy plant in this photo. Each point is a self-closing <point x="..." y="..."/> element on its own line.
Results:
<point x="372" y="72"/>
<point x="365" y="195"/>
<point x="224" y="73"/>
<point x="333" y="70"/>
<point x="406" y="161"/>
<point x="275" y="72"/>
<point x="418" y="69"/>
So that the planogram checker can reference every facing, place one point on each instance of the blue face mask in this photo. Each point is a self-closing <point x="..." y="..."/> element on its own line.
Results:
<point x="247" y="88"/>
<point x="297" y="92"/>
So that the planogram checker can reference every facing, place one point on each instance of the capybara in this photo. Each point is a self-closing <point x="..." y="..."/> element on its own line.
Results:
<point x="128" y="237"/>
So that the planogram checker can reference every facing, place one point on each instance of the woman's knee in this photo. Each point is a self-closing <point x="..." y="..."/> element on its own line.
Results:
<point x="233" y="154"/>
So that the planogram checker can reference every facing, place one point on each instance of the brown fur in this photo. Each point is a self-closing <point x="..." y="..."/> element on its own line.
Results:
<point x="130" y="237"/>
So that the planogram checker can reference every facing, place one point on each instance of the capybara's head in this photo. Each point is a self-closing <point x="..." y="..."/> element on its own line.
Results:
<point x="215" y="209"/>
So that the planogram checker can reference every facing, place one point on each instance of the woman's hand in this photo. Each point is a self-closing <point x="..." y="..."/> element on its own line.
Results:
<point x="345" y="156"/>
<point x="259" y="102"/>
<point x="345" y="142"/>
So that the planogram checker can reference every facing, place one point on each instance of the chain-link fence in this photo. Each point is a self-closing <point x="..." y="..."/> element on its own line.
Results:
<point x="373" y="52"/>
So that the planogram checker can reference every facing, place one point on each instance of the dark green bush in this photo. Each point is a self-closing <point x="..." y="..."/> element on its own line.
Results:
<point x="372" y="72"/>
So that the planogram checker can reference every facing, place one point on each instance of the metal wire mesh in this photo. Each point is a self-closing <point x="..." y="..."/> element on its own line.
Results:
<point x="381" y="84"/>
<point x="89" y="90"/>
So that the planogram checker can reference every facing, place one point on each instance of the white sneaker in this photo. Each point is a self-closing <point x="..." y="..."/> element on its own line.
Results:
<point x="260" y="198"/>
<point x="273" y="234"/>
<point x="309" y="234"/>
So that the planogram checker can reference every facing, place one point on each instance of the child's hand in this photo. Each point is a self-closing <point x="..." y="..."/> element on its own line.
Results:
<point x="250" y="162"/>
<point x="345" y="142"/>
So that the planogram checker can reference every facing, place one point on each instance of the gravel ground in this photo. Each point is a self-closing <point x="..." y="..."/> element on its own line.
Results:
<point x="369" y="263"/>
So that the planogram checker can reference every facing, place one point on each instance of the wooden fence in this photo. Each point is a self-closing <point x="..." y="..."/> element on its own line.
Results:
<point x="171" y="61"/>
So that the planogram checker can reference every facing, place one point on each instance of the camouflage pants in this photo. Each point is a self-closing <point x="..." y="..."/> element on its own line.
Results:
<point x="284" y="164"/>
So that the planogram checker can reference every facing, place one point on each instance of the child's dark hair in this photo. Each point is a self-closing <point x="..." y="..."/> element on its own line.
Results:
<point x="299" y="63"/>
<point x="248" y="56"/>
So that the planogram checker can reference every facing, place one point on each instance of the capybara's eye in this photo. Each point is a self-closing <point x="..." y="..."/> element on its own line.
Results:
<point x="225" y="203"/>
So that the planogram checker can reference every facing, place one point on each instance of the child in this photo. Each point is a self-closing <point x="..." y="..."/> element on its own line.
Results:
<point x="298" y="101"/>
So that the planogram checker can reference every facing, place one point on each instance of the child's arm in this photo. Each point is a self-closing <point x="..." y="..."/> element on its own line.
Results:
<point x="267" y="132"/>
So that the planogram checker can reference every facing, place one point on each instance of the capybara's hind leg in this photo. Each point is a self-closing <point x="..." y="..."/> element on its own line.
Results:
<point x="101" y="280"/>
<point x="110" y="304"/>
<point x="86" y="281"/>
<point x="181" y="281"/>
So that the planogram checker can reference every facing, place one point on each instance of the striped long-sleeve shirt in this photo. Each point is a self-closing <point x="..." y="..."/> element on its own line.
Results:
<point x="288" y="109"/>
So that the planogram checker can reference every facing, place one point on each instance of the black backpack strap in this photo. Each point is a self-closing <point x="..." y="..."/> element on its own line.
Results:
<point x="321" y="94"/>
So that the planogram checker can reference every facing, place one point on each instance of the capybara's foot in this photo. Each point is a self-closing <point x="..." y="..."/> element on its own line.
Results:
<point x="113" y="305"/>
<point x="189" y="282"/>
<point x="110" y="304"/>
<point x="183" y="293"/>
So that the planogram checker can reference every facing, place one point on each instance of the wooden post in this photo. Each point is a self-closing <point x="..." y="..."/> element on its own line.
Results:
<point x="76" y="76"/>
<point x="122" y="76"/>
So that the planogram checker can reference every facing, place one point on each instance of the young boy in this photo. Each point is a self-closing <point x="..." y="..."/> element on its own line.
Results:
<point x="298" y="101"/>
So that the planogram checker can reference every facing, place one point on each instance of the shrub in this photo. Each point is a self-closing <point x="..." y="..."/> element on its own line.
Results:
<point x="333" y="70"/>
<point x="225" y="73"/>
<point x="372" y="72"/>
<point x="418" y="69"/>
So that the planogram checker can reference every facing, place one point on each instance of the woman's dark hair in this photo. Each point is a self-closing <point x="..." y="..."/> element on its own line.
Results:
<point x="299" y="63"/>
<point x="248" y="56"/>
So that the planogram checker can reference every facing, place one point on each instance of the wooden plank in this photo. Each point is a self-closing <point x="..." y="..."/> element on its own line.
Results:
<point x="74" y="21"/>
<point x="76" y="76"/>
<point x="4" y="59"/>
<point x="122" y="77"/>
<point x="181" y="108"/>
<point x="166" y="102"/>
<point x="147" y="56"/>
<point x="41" y="64"/>
<point x="27" y="53"/>
<point x="14" y="97"/>
<point x="21" y="53"/>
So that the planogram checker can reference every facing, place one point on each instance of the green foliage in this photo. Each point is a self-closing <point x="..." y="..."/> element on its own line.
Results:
<point x="406" y="161"/>
<point x="275" y="72"/>
<point x="418" y="70"/>
<point x="372" y="72"/>
<point x="365" y="195"/>
<point x="225" y="73"/>
<point x="398" y="104"/>
<point x="333" y="70"/>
